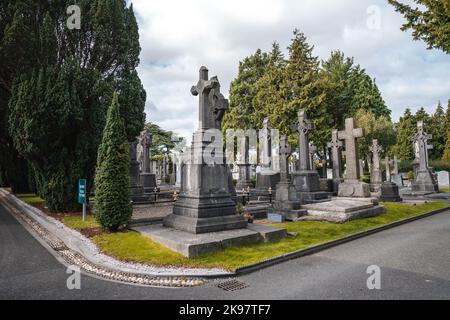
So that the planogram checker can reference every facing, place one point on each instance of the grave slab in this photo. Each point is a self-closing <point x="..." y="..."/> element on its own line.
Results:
<point x="192" y="245"/>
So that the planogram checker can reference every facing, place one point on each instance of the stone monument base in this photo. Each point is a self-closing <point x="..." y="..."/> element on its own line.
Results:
<point x="424" y="182"/>
<point x="286" y="202"/>
<point x="138" y="196"/>
<point x="204" y="214"/>
<point x="354" y="189"/>
<point x="343" y="209"/>
<point x="148" y="181"/>
<point x="389" y="192"/>
<point x="375" y="187"/>
<point x="266" y="180"/>
<point x="192" y="245"/>
<point x="243" y="184"/>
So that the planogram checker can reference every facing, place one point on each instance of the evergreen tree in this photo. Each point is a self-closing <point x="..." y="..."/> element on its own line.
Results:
<point x="243" y="91"/>
<point x="430" y="21"/>
<point x="405" y="129"/>
<point x="380" y="128"/>
<point x="437" y="127"/>
<point x="446" y="153"/>
<point x="112" y="197"/>
<point x="102" y="57"/>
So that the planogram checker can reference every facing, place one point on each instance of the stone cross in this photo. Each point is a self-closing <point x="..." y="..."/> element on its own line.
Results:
<point x="420" y="141"/>
<point x="388" y="169"/>
<point x="212" y="104"/>
<point x="303" y="128"/>
<point x="312" y="152"/>
<point x="265" y="141"/>
<point x="336" y="153"/>
<point x="285" y="152"/>
<point x="146" y="141"/>
<point x="396" y="162"/>
<point x="350" y="135"/>
<point x="376" y="149"/>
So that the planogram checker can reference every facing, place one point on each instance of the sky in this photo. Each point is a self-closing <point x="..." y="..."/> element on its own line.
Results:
<point x="178" y="37"/>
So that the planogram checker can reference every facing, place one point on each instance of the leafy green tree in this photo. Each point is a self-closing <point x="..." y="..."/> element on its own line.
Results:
<point x="112" y="197"/>
<point x="437" y="127"/>
<point x="271" y="92"/>
<point x="429" y="21"/>
<point x="243" y="91"/>
<point x="365" y="94"/>
<point x="380" y="128"/>
<point x="446" y="153"/>
<point x="161" y="140"/>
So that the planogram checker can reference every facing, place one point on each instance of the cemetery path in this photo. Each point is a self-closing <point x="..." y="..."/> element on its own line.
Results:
<point x="414" y="260"/>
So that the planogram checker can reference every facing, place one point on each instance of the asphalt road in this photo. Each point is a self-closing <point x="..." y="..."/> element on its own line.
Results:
<point x="414" y="260"/>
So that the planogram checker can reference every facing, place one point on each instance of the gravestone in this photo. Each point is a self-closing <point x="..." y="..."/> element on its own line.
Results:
<point x="267" y="177"/>
<point x="396" y="176"/>
<point x="424" y="181"/>
<point x="204" y="203"/>
<point x="361" y="166"/>
<point x="243" y="163"/>
<point x="389" y="190"/>
<point x="443" y="179"/>
<point x="336" y="157"/>
<point x="352" y="187"/>
<point x="312" y="152"/>
<point x="148" y="179"/>
<point x="375" y="177"/>
<point x="286" y="202"/>
<point x="305" y="179"/>
<point x="137" y="191"/>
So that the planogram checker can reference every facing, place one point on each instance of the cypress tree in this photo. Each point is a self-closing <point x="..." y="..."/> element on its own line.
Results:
<point x="112" y="197"/>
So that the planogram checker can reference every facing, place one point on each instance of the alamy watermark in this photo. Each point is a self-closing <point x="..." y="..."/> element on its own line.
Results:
<point x="74" y="20"/>
<point x="73" y="282"/>
<point x="374" y="280"/>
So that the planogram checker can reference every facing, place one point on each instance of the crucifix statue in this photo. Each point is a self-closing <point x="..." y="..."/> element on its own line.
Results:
<point x="336" y="153"/>
<point x="285" y="152"/>
<point x="212" y="104"/>
<point x="303" y="128"/>
<point x="420" y="141"/>
<point x="350" y="135"/>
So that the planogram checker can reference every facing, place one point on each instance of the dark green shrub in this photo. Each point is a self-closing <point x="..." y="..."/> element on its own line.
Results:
<point x="112" y="196"/>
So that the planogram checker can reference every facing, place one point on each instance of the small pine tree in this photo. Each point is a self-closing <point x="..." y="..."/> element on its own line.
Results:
<point x="112" y="196"/>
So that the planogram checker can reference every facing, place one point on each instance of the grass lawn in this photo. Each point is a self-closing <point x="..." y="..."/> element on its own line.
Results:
<point x="444" y="189"/>
<point x="76" y="222"/>
<point x="29" y="198"/>
<point x="131" y="246"/>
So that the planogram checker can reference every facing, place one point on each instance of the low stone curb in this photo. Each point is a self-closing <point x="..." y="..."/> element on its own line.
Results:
<point x="94" y="263"/>
<point x="330" y="244"/>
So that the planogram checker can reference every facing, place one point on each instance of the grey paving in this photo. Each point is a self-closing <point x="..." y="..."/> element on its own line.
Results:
<point x="414" y="261"/>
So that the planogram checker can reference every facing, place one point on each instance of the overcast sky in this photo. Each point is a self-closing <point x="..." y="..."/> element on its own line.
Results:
<point x="179" y="36"/>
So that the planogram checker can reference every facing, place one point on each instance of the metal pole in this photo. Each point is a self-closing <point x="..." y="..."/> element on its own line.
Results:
<point x="84" y="211"/>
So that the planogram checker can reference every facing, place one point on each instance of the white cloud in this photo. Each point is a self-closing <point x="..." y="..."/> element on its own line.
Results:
<point x="177" y="37"/>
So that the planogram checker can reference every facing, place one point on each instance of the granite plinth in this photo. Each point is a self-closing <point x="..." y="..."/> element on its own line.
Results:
<point x="340" y="210"/>
<point x="354" y="189"/>
<point x="389" y="192"/>
<point x="148" y="181"/>
<point x="192" y="245"/>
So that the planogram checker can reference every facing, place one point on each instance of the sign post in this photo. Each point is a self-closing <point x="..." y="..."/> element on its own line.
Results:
<point x="82" y="195"/>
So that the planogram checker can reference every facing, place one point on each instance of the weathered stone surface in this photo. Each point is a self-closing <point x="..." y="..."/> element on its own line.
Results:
<point x="424" y="180"/>
<point x="352" y="187"/>
<point x="389" y="192"/>
<point x="336" y="156"/>
<point x="375" y="177"/>
<point x="192" y="245"/>
<point x="305" y="179"/>
<point x="267" y="177"/>
<point x="443" y="179"/>
<point x="204" y="203"/>
<point x="343" y="209"/>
